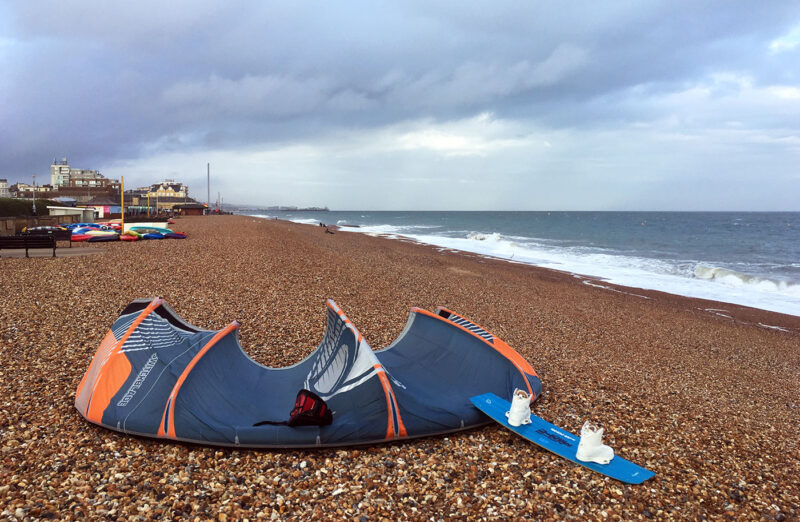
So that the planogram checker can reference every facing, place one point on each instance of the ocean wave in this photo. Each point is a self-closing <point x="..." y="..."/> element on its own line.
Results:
<point x="671" y="276"/>
<point x="736" y="279"/>
<point x="479" y="236"/>
<point x="305" y="221"/>
<point x="687" y="277"/>
<point x="376" y="230"/>
<point x="405" y="230"/>
<point x="498" y="243"/>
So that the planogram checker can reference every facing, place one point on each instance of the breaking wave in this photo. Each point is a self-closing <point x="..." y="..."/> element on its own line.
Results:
<point x="305" y="221"/>
<point x="631" y="268"/>
<point x="686" y="278"/>
<point x="736" y="279"/>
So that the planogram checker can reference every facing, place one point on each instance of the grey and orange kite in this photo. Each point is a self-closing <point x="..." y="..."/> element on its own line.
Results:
<point x="157" y="376"/>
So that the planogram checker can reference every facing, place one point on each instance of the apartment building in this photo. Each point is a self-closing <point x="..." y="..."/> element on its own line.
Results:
<point x="62" y="175"/>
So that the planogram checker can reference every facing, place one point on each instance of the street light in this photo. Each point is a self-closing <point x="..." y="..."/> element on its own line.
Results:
<point x="33" y="195"/>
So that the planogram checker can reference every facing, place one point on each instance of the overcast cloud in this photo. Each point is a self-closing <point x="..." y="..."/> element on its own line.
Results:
<point x="416" y="105"/>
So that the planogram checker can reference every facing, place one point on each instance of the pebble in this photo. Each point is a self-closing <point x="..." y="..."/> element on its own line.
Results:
<point x="707" y="403"/>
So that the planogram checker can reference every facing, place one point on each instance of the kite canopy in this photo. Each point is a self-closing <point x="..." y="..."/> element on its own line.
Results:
<point x="156" y="375"/>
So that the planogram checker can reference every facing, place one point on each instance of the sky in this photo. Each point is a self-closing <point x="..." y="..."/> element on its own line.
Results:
<point x="413" y="105"/>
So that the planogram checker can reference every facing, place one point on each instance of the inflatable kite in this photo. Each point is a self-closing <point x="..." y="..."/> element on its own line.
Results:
<point x="157" y="376"/>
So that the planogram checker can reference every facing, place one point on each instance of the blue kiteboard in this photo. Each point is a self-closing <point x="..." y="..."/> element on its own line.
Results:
<point x="560" y="442"/>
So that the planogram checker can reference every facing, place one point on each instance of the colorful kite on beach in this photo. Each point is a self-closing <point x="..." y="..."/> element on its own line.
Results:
<point x="94" y="232"/>
<point x="156" y="375"/>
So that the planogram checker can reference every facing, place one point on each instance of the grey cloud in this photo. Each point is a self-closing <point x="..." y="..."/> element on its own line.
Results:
<point x="250" y="96"/>
<point x="107" y="82"/>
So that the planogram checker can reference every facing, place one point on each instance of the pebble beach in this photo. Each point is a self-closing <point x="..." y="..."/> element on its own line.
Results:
<point x="705" y="394"/>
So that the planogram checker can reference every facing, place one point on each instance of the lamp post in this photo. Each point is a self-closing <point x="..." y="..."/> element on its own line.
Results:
<point x="33" y="195"/>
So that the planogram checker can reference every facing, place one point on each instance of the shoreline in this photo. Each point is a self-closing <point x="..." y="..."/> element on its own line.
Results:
<point x="709" y="403"/>
<point x="717" y="308"/>
<point x="745" y="294"/>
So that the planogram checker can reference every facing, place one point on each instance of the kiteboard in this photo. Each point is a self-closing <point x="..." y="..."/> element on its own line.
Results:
<point x="560" y="442"/>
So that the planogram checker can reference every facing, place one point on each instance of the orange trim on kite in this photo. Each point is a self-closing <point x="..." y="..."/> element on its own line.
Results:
<point x="390" y="399"/>
<point x="333" y="306"/>
<point x="189" y="367"/>
<point x="385" y="383"/>
<point x="499" y="345"/>
<point x="114" y="371"/>
<point x="97" y="361"/>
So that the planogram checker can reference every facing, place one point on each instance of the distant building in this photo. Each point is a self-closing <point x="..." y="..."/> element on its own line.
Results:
<point x="168" y="189"/>
<point x="63" y="176"/>
<point x="59" y="173"/>
<point x="159" y="197"/>
<point x="104" y="206"/>
<point x="4" y="193"/>
<point x="167" y="194"/>
<point x="190" y="209"/>
<point x="88" y="178"/>
<point x="23" y="190"/>
<point x="85" y="215"/>
<point x="137" y="197"/>
<point x="84" y="194"/>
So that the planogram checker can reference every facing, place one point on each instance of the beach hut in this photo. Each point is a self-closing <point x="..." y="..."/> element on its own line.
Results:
<point x="190" y="209"/>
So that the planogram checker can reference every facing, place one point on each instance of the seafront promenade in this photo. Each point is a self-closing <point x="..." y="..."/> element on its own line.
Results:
<point x="705" y="394"/>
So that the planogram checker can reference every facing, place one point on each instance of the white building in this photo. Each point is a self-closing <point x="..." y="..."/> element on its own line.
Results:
<point x="59" y="173"/>
<point x="168" y="189"/>
<point x="62" y="175"/>
<point x="4" y="188"/>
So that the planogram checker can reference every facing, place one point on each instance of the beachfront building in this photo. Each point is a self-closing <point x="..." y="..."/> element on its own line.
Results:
<point x="168" y="194"/>
<point x="88" y="178"/>
<point x="4" y="193"/>
<point x="63" y="176"/>
<point x="159" y="197"/>
<point x="24" y="190"/>
<point x="105" y="207"/>
<point x="168" y="189"/>
<point x="190" y="209"/>
<point x="59" y="172"/>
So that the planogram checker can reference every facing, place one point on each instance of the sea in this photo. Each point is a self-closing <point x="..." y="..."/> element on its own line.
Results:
<point x="745" y="258"/>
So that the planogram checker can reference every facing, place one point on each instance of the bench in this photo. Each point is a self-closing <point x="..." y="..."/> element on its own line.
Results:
<point x="59" y="235"/>
<point x="26" y="242"/>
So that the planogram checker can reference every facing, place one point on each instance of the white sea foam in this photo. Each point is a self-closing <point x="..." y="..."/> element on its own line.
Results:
<point x="305" y="221"/>
<point x="637" y="272"/>
<point x="302" y="221"/>
<point x="377" y="230"/>
<point x="736" y="279"/>
<point x="779" y="328"/>
<point x="691" y="279"/>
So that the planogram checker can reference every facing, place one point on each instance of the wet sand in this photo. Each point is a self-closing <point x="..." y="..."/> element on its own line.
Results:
<point x="705" y="394"/>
